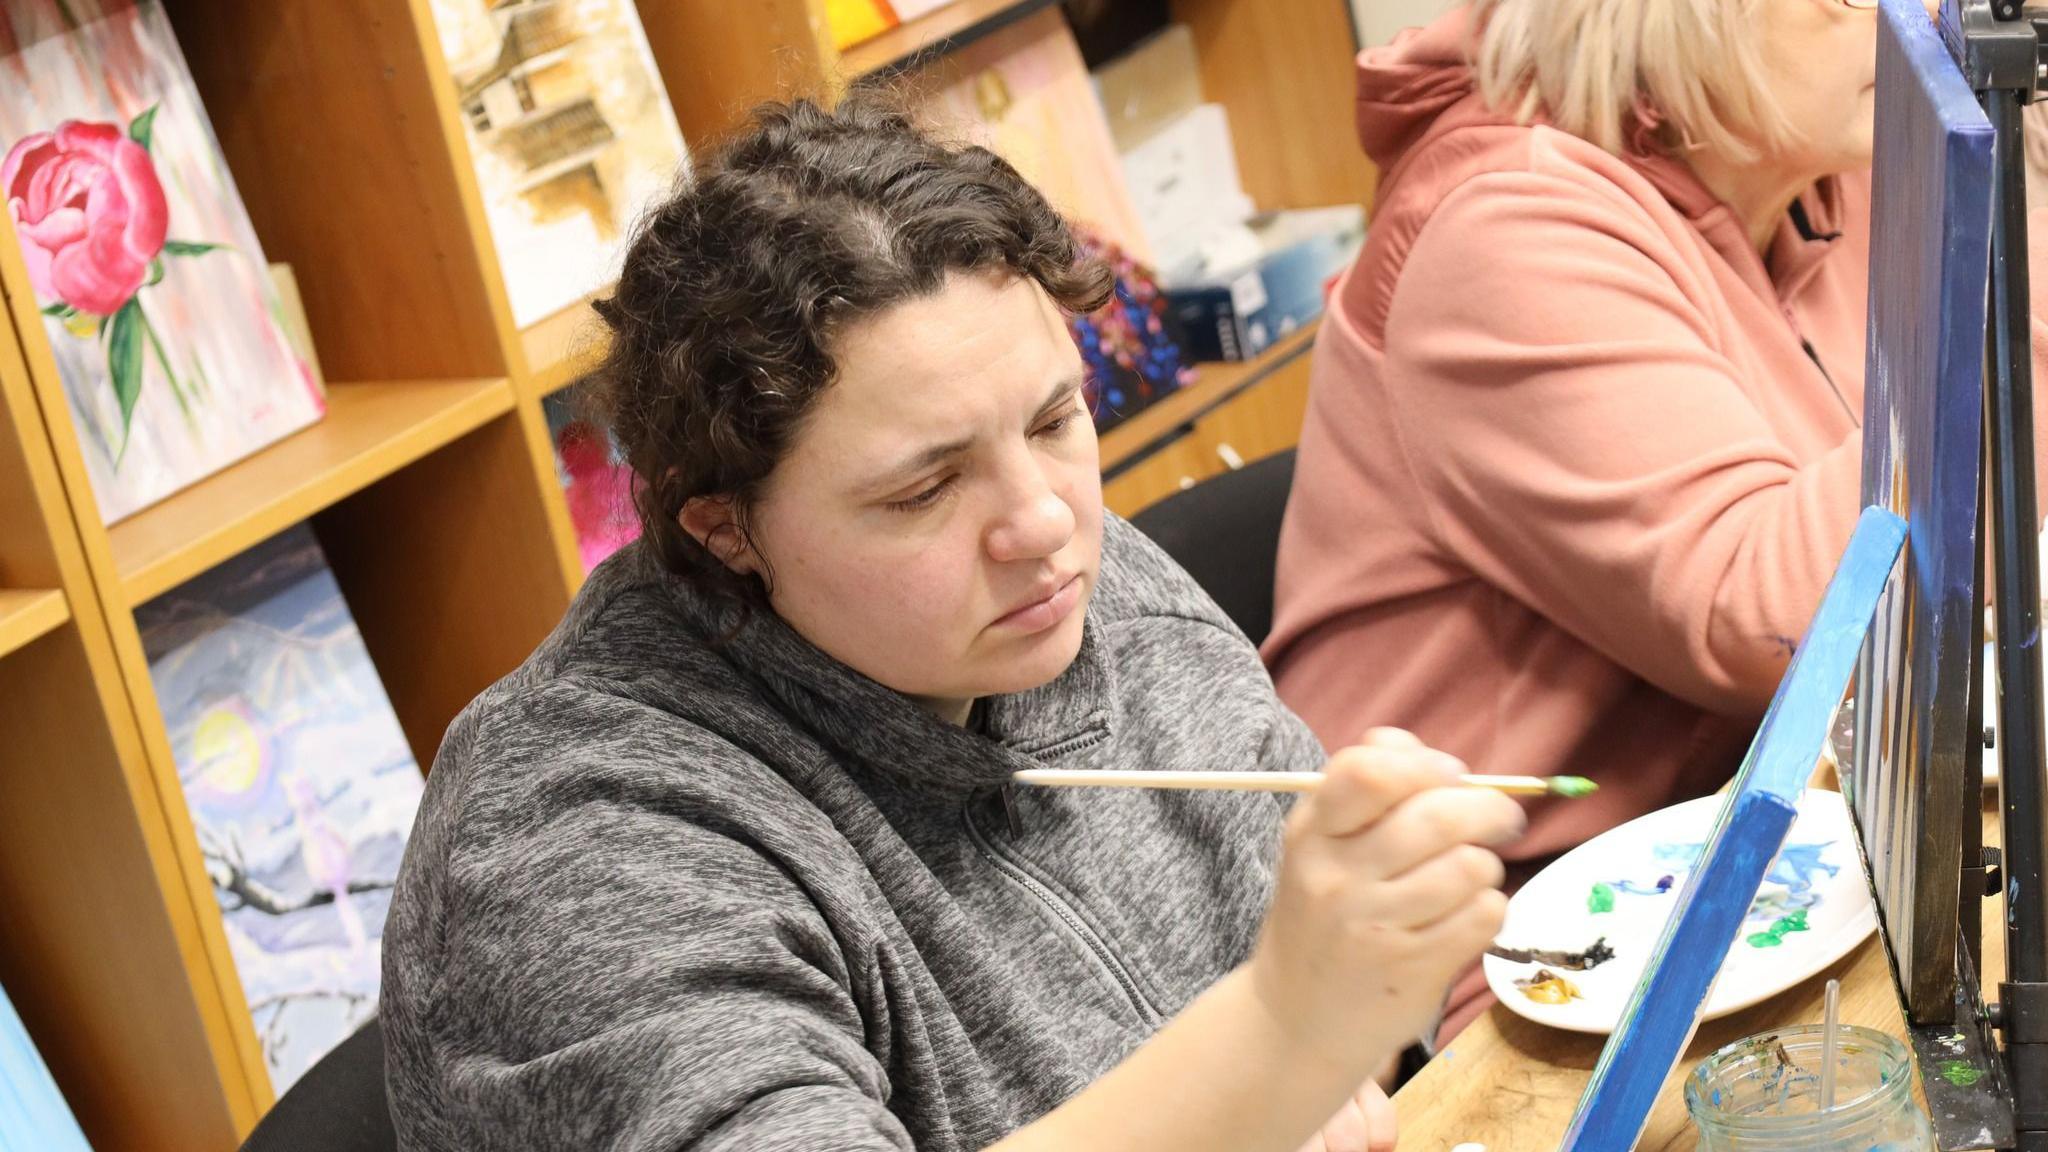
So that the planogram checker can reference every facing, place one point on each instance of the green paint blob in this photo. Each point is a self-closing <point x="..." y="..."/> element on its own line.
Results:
<point x="1601" y="899"/>
<point x="1780" y="928"/>
<point x="1572" y="787"/>
<point x="1961" y="1073"/>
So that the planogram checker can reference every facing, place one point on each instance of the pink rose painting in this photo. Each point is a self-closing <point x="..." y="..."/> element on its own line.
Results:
<point x="596" y="483"/>
<point x="89" y="210"/>
<point x="158" y="305"/>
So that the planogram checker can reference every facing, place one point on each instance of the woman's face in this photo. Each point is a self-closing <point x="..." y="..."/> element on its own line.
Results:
<point x="937" y="522"/>
<point x="1820" y="64"/>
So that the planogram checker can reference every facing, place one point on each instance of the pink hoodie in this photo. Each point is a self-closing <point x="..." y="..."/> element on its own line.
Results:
<point x="1578" y="461"/>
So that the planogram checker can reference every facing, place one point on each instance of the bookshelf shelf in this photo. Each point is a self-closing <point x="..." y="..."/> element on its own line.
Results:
<point x="560" y="350"/>
<point x="370" y="431"/>
<point x="29" y="614"/>
<point x="1215" y="383"/>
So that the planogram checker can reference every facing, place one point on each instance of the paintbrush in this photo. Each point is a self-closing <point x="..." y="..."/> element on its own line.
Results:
<point x="1565" y="786"/>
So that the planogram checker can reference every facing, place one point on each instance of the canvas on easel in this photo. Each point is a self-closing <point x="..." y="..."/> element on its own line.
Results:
<point x="1758" y="812"/>
<point x="1923" y="422"/>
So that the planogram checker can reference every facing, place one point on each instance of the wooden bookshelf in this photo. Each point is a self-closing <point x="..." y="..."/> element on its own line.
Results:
<point x="430" y="482"/>
<point x="1280" y="67"/>
<point x="941" y="30"/>
<point x="1222" y="422"/>
<point x="28" y="615"/>
<point x="104" y="956"/>
<point x="369" y="432"/>
<point x="560" y="350"/>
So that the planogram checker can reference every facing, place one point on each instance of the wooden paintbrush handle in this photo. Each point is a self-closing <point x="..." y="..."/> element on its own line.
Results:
<point x="1242" y="781"/>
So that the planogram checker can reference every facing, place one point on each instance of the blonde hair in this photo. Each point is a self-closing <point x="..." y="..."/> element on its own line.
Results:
<point x="1629" y="75"/>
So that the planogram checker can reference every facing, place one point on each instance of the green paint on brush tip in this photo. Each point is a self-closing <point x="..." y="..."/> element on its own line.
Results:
<point x="1572" y="787"/>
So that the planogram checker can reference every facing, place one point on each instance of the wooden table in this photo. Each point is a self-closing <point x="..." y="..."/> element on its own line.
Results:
<point x="1512" y="1085"/>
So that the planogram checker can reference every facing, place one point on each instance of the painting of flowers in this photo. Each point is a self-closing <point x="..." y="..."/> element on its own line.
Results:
<point x="301" y="786"/>
<point x="156" y="300"/>
<point x="596" y="481"/>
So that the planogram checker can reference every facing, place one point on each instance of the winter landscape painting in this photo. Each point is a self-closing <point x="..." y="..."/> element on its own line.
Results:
<point x="299" y="780"/>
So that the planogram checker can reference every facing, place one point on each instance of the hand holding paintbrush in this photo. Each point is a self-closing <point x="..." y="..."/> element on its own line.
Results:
<point x="1386" y="890"/>
<point x="1568" y="787"/>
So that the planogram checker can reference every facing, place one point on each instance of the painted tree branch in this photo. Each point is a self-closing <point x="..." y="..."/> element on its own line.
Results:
<point x="224" y="866"/>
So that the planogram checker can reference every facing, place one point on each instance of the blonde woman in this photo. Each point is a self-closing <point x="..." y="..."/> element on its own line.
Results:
<point x="1584" y="441"/>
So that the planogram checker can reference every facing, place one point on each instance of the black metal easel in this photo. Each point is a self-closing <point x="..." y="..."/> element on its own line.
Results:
<point x="2003" y="52"/>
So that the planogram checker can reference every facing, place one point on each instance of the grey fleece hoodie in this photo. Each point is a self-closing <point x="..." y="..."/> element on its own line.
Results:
<point x="666" y="895"/>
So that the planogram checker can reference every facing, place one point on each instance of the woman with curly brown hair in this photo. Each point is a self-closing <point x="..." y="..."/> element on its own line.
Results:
<point x="733" y="861"/>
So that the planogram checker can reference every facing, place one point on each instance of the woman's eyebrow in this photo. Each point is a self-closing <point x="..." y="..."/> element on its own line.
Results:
<point x="917" y="461"/>
<point x="1062" y="388"/>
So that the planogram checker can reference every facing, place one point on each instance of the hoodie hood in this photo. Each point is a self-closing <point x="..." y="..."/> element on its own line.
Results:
<point x="1405" y="86"/>
<point x="1421" y="86"/>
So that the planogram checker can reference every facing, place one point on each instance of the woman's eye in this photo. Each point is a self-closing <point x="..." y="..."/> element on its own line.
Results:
<point x="1056" y="426"/>
<point x="924" y="499"/>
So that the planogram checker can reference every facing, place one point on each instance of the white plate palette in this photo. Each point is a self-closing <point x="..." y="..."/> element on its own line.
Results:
<point x="1622" y="885"/>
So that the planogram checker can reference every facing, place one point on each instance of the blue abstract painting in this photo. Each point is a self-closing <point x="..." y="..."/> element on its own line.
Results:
<point x="301" y="786"/>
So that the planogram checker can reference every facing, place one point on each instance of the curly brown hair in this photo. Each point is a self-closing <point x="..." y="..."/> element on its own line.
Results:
<point x="723" y="321"/>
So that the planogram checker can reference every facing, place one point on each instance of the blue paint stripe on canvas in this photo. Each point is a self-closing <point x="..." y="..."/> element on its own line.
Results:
<point x="1751" y="828"/>
<point x="33" y="1115"/>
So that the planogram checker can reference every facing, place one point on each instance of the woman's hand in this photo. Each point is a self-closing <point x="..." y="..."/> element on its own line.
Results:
<point x="1385" y="893"/>
<point x="1366" y="1123"/>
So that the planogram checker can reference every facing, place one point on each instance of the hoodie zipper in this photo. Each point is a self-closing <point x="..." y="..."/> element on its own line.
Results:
<point x="1025" y="880"/>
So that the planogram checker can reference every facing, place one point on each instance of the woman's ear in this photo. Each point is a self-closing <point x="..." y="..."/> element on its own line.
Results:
<point x="713" y="522"/>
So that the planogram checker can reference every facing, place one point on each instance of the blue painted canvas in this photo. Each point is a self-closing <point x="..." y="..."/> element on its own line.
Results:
<point x="301" y="786"/>
<point x="33" y="1115"/>
<point x="1923" y="420"/>
<point x="1758" y="812"/>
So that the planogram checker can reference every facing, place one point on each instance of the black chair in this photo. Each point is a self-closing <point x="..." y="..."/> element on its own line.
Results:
<point x="337" y="1106"/>
<point x="1226" y="532"/>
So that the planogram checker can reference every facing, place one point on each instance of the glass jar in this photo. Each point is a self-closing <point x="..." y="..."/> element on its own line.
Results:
<point x="1763" y="1095"/>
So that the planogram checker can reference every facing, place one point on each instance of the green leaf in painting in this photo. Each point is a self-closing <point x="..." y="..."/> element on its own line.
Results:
<point x="189" y="248"/>
<point x="156" y="273"/>
<point x="124" y="360"/>
<point x="163" y="361"/>
<point x="60" y="310"/>
<point x="140" y="127"/>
